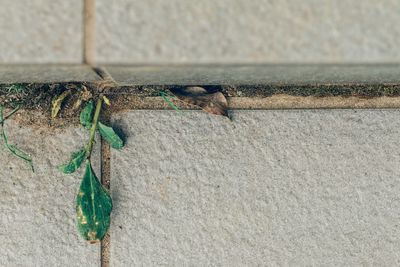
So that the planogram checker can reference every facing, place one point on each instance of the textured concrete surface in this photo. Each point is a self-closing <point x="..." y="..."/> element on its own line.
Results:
<point x="46" y="74"/>
<point x="255" y="80"/>
<point x="39" y="31"/>
<point x="256" y="74"/>
<point x="134" y="31"/>
<point x="287" y="188"/>
<point x="37" y="210"/>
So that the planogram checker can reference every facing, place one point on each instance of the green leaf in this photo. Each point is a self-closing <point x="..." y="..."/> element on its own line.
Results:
<point x="93" y="207"/>
<point x="108" y="134"/>
<point x="74" y="163"/>
<point x="86" y="115"/>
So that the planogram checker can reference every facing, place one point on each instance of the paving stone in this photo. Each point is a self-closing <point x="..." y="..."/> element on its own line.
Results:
<point x="46" y="74"/>
<point x="256" y="74"/>
<point x="133" y="31"/>
<point x="41" y="31"/>
<point x="38" y="209"/>
<point x="262" y="79"/>
<point x="283" y="187"/>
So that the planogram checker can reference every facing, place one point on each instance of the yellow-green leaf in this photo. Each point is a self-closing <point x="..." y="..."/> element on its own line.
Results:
<point x="93" y="207"/>
<point x="109" y="134"/>
<point x="74" y="163"/>
<point x="57" y="102"/>
<point x="107" y="101"/>
<point x="86" y="115"/>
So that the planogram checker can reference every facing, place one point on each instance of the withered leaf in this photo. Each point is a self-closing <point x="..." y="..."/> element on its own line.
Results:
<point x="107" y="101"/>
<point x="57" y="102"/>
<point x="213" y="103"/>
<point x="84" y="95"/>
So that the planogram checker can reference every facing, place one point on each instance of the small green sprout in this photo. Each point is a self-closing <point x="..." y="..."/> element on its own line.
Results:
<point x="167" y="98"/>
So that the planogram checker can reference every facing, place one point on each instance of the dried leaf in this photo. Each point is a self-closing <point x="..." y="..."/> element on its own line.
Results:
<point x="214" y="103"/>
<point x="86" y="94"/>
<point x="75" y="162"/>
<point x="77" y="104"/>
<point x="107" y="101"/>
<point x="86" y="115"/>
<point x="57" y="102"/>
<point x="110" y="136"/>
<point x="93" y="207"/>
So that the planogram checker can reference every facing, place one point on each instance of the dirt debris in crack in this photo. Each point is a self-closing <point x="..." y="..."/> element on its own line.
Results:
<point x="35" y="101"/>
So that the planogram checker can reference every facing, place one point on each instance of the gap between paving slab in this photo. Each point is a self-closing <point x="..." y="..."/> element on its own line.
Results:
<point x="246" y="87"/>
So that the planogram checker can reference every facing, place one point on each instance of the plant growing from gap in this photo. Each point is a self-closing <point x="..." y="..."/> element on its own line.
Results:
<point x="168" y="99"/>
<point x="93" y="201"/>
<point x="10" y="147"/>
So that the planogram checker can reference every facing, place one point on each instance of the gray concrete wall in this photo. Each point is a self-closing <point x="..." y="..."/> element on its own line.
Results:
<point x="284" y="187"/>
<point x="133" y="31"/>
<point x="270" y="188"/>
<point x="248" y="31"/>
<point x="278" y="188"/>
<point x="37" y="210"/>
<point x="38" y="31"/>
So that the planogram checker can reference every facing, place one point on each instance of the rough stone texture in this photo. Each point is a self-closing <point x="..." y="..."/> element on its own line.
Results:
<point x="37" y="210"/>
<point x="134" y="31"/>
<point x="287" y="188"/>
<point x="261" y="79"/>
<point x="40" y="31"/>
<point x="46" y="74"/>
<point x="256" y="74"/>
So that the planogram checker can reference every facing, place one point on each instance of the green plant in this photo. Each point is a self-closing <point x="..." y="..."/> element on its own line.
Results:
<point x="12" y="148"/>
<point x="168" y="98"/>
<point x="15" y="89"/>
<point x="93" y="202"/>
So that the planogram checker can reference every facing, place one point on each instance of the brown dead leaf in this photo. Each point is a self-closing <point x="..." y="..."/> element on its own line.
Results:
<point x="213" y="103"/>
<point x="84" y="95"/>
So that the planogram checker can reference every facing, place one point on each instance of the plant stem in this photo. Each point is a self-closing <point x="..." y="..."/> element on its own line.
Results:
<point x="8" y="115"/>
<point x="96" y="116"/>
<point x="13" y="149"/>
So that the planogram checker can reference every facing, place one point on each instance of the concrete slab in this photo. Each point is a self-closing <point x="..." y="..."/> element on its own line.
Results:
<point x="262" y="79"/>
<point x="43" y="74"/>
<point x="287" y="187"/>
<point x="256" y="74"/>
<point x="134" y="31"/>
<point x="41" y="31"/>
<point x="38" y="209"/>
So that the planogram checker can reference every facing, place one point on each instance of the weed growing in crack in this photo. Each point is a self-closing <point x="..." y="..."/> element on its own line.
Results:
<point x="93" y="202"/>
<point x="10" y="147"/>
<point x="168" y="98"/>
